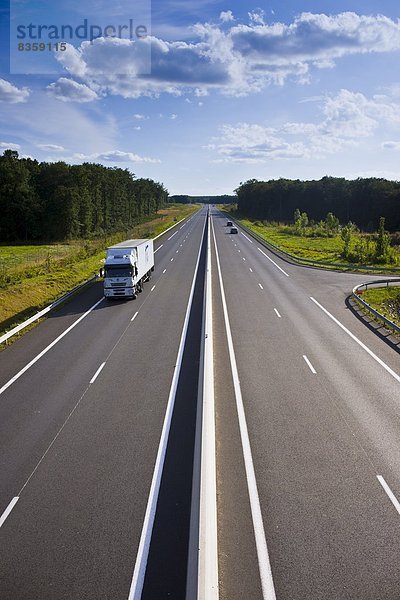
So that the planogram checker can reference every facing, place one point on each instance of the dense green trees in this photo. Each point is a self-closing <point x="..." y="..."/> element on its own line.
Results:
<point x="57" y="201"/>
<point x="362" y="201"/>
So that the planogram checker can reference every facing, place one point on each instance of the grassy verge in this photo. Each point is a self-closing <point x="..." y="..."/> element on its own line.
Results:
<point x="325" y="249"/>
<point x="37" y="275"/>
<point x="386" y="301"/>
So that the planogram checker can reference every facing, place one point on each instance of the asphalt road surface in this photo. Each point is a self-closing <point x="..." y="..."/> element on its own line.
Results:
<point x="307" y="435"/>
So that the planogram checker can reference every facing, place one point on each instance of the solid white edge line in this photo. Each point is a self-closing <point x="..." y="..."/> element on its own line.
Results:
<point x="99" y="370"/>
<point x="309" y="365"/>
<point x="273" y="262"/>
<point x="136" y="588"/>
<point x="208" y="540"/>
<point x="170" y="238"/>
<point x="277" y="312"/>
<point x="247" y="238"/>
<point x="134" y="316"/>
<point x="389" y="492"/>
<point x="43" y="352"/>
<point x="264" y="564"/>
<point x="359" y="342"/>
<point x="159" y="248"/>
<point x="8" y="510"/>
<point x="43" y="312"/>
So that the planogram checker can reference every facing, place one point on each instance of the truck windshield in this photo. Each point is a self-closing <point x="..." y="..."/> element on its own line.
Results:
<point x="119" y="271"/>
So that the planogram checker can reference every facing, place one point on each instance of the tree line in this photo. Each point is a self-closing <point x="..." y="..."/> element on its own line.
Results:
<point x="185" y="199"/>
<point x="361" y="201"/>
<point x="57" y="201"/>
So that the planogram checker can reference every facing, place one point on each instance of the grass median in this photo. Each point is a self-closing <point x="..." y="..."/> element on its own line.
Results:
<point x="33" y="276"/>
<point x="326" y="249"/>
<point x="386" y="301"/>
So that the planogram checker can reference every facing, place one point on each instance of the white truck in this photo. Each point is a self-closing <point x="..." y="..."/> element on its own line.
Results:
<point x="128" y="265"/>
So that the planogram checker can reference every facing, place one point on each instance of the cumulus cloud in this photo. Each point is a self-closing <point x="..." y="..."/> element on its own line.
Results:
<point x="226" y="16"/>
<point x="237" y="60"/>
<point x="347" y="119"/>
<point x="69" y="90"/>
<point x="139" y="117"/>
<point x="10" y="93"/>
<point x="116" y="156"/>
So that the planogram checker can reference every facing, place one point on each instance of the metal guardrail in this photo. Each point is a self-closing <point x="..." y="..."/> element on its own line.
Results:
<point x="43" y="312"/>
<point x="357" y="290"/>
<point x="310" y="261"/>
<point x="63" y="298"/>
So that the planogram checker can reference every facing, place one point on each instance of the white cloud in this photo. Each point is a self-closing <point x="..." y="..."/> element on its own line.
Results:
<point x="391" y="145"/>
<point x="257" y="16"/>
<point x="137" y="128"/>
<point x="173" y="117"/>
<point x="10" y="93"/>
<point x="115" y="156"/>
<point x="238" y="61"/>
<point x="54" y="147"/>
<point x="226" y="16"/>
<point x="347" y="119"/>
<point x="139" y="117"/>
<point x="9" y="146"/>
<point x="69" y="90"/>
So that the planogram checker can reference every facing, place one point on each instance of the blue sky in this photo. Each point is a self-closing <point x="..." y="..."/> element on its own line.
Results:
<point x="231" y="91"/>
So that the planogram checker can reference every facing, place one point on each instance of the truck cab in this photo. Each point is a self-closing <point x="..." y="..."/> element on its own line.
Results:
<point x="128" y="265"/>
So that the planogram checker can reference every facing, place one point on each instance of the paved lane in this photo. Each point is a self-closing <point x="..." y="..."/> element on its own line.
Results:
<point x="86" y="452"/>
<point x="323" y="422"/>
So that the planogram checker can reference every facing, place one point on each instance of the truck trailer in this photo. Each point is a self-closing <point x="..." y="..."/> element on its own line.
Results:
<point x="128" y="266"/>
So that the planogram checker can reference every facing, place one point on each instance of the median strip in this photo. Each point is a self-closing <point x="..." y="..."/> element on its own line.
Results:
<point x="139" y="573"/>
<point x="258" y="525"/>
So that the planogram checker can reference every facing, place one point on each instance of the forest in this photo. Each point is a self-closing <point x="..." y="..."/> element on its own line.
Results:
<point x="361" y="201"/>
<point x="57" y="201"/>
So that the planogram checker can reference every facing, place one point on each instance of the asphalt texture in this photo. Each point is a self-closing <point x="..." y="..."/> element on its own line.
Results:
<point x="322" y="413"/>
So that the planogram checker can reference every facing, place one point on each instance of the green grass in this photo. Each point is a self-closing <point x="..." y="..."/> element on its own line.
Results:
<point x="34" y="279"/>
<point x="325" y="249"/>
<point x="384" y="300"/>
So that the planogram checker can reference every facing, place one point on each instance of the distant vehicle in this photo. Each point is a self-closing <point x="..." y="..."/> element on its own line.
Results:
<point x="234" y="230"/>
<point x="128" y="266"/>
<point x="229" y="224"/>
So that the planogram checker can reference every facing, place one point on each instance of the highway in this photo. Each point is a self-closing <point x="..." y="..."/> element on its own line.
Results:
<point x="100" y="435"/>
